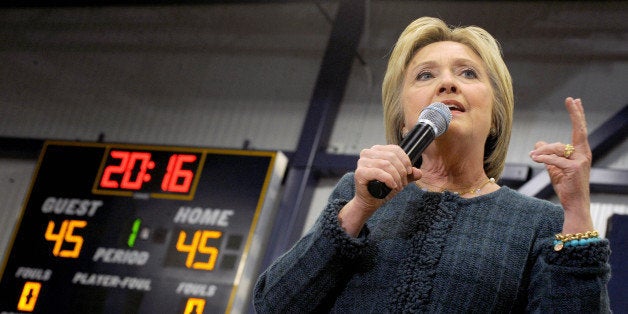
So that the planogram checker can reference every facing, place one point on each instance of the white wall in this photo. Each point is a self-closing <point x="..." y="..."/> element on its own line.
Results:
<point x="15" y="177"/>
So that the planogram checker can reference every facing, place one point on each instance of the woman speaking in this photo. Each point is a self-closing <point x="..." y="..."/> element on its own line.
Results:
<point x="448" y="238"/>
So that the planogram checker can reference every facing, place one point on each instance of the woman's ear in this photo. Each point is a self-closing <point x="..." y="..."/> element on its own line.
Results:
<point x="492" y="131"/>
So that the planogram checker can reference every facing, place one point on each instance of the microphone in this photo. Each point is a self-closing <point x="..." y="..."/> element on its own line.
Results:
<point x="433" y="122"/>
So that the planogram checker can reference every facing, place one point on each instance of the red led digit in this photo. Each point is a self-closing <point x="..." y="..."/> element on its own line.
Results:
<point x="106" y="181"/>
<point x="171" y="181"/>
<point x="142" y="176"/>
<point x="166" y="181"/>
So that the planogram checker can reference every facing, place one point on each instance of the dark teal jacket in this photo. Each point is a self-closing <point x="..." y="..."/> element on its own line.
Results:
<point x="438" y="253"/>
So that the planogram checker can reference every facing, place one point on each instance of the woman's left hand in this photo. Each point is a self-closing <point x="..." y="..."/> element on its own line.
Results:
<point x="569" y="170"/>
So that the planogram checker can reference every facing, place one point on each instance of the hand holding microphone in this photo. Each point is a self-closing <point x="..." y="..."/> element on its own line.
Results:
<point x="433" y="122"/>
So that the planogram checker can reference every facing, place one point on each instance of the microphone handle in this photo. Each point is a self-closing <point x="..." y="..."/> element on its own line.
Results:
<point x="417" y="140"/>
<point x="378" y="189"/>
<point x="414" y="143"/>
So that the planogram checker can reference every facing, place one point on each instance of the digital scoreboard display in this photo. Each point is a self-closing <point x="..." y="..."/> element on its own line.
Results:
<point x="115" y="228"/>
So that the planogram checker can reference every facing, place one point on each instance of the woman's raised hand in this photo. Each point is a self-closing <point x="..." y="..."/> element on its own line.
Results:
<point x="569" y="167"/>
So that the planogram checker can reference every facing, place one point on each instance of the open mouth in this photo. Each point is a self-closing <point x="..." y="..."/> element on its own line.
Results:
<point x="454" y="106"/>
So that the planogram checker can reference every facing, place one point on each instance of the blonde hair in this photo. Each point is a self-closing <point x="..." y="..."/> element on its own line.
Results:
<point x="428" y="30"/>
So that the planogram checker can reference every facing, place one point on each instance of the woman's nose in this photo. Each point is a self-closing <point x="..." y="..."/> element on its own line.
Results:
<point x="447" y="85"/>
<point x="447" y="89"/>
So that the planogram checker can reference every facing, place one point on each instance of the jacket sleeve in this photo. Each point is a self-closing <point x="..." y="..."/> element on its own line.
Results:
<point x="308" y="277"/>
<point x="572" y="280"/>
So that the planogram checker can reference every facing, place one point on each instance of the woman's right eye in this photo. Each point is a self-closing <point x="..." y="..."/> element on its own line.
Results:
<point x="424" y="75"/>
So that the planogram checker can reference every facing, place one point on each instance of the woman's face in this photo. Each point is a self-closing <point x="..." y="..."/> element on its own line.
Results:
<point x="451" y="73"/>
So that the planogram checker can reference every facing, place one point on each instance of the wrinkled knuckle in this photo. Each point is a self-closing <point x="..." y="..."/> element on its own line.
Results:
<point x="383" y="163"/>
<point x="359" y="172"/>
<point x="361" y="163"/>
<point x="389" y="155"/>
<point x="585" y="163"/>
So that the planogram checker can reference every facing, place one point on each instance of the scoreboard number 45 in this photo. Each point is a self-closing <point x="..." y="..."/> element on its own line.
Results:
<point x="65" y="235"/>
<point x="199" y="244"/>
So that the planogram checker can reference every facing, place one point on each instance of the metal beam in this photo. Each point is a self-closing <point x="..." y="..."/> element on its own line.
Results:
<point x="603" y="139"/>
<point x="609" y="134"/>
<point x="332" y="165"/>
<point x="609" y="181"/>
<point x="326" y="99"/>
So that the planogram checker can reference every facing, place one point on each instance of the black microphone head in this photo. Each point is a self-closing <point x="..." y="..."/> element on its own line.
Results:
<point x="438" y="116"/>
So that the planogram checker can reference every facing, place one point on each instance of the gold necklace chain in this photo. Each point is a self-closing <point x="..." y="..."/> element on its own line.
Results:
<point x="471" y="190"/>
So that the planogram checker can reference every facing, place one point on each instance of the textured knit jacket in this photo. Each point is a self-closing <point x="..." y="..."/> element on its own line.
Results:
<point x="438" y="253"/>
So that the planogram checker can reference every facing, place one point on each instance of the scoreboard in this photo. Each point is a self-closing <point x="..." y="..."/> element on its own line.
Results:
<point x="117" y="228"/>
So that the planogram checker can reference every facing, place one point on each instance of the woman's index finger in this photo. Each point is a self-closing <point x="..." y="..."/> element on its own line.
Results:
<point x="579" y="134"/>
